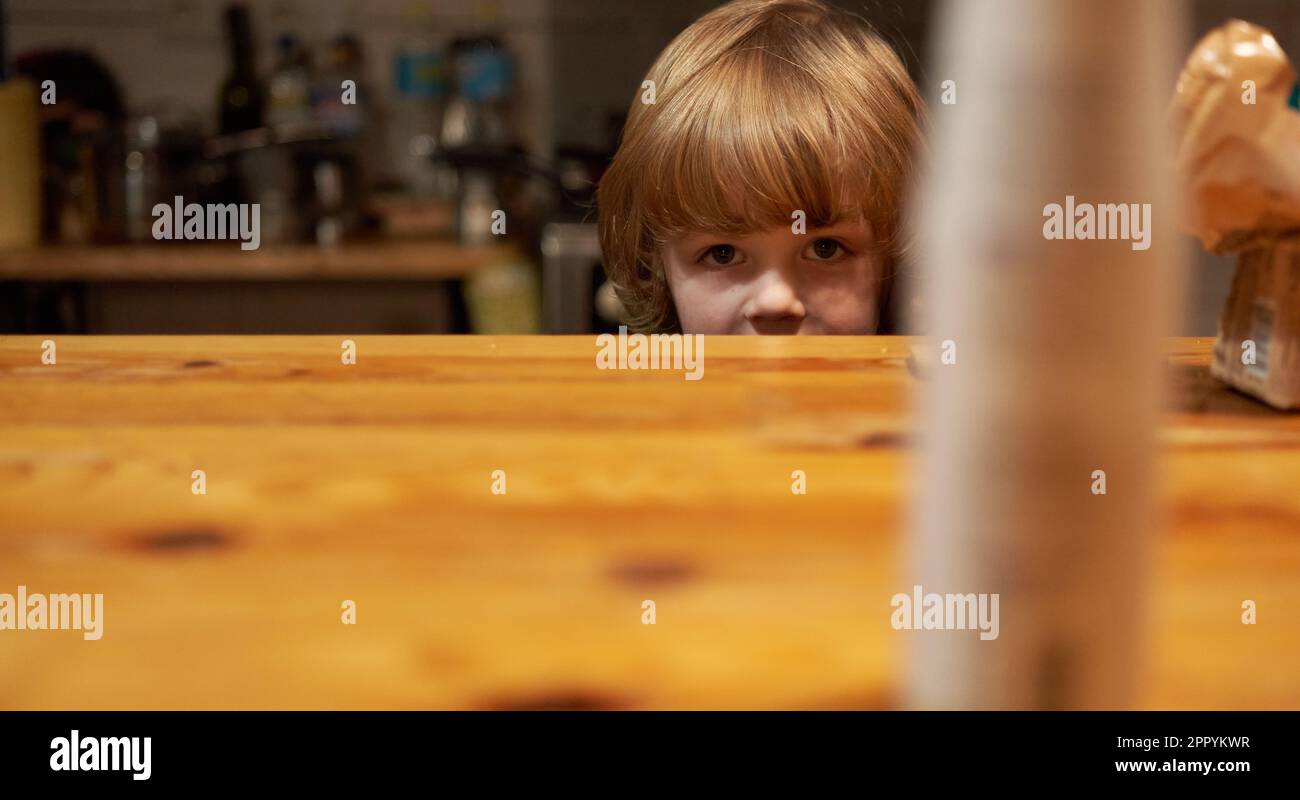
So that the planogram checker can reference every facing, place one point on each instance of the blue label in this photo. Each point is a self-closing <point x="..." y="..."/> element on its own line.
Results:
<point x="485" y="75"/>
<point x="420" y="75"/>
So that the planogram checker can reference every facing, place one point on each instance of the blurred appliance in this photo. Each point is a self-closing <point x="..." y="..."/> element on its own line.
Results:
<point x="306" y="180"/>
<point x="20" y="165"/>
<point x="576" y="298"/>
<point x="477" y="137"/>
<point x="81" y="146"/>
<point x="479" y="113"/>
<point x="420" y="94"/>
<point x="163" y="146"/>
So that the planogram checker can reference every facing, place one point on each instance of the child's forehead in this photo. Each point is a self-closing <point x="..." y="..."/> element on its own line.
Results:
<point x="847" y="224"/>
<point x="757" y="214"/>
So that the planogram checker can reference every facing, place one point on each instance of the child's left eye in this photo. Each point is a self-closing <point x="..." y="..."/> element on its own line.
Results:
<point x="719" y="255"/>
<point x="825" y="249"/>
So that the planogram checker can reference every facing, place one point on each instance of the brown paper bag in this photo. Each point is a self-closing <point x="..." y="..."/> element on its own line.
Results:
<point x="1258" y="349"/>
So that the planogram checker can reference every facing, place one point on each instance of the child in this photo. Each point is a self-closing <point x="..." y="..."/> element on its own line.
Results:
<point x="758" y="184"/>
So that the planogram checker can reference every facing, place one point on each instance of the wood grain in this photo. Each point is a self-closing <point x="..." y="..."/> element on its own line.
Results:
<point x="372" y="483"/>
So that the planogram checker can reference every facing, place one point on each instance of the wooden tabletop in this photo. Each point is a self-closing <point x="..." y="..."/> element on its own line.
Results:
<point x="382" y="259"/>
<point x="372" y="483"/>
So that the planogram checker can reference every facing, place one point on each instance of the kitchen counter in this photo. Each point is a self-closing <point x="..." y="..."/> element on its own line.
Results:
<point x="383" y="285"/>
<point x="373" y="483"/>
<point x="381" y="259"/>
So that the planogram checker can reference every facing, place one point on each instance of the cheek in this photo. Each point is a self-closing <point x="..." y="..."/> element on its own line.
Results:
<point x="848" y="301"/>
<point x="707" y="301"/>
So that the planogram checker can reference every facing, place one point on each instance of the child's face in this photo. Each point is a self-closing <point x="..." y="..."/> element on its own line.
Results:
<point x="824" y="281"/>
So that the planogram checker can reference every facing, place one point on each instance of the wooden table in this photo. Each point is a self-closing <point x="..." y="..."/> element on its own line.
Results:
<point x="372" y="483"/>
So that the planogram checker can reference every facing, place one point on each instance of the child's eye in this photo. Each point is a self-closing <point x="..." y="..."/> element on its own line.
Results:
<point x="720" y="254"/>
<point x="825" y="249"/>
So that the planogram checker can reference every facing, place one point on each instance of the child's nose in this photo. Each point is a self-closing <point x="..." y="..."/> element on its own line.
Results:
<point x="773" y="301"/>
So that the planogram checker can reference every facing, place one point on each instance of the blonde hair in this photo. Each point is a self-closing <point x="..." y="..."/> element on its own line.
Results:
<point x="761" y="108"/>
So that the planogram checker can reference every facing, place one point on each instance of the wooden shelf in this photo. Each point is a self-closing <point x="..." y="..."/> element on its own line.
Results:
<point x="383" y="259"/>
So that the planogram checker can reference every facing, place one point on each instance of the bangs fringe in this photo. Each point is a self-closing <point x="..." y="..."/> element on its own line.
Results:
<point x="765" y="139"/>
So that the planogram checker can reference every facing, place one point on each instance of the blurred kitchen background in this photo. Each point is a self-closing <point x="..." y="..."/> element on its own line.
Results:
<point x="376" y="215"/>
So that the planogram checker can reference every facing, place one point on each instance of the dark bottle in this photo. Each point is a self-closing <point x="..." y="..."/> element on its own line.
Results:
<point x="242" y="100"/>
